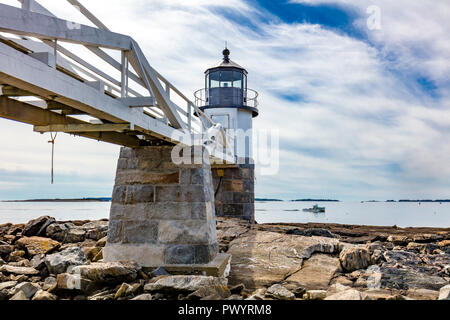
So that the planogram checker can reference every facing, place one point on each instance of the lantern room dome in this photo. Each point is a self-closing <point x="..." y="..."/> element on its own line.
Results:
<point x="226" y="62"/>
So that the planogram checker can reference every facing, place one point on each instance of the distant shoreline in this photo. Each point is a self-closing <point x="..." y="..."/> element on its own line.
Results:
<point x="63" y="200"/>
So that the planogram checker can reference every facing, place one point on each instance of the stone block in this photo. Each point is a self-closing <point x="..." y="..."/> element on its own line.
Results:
<point x="115" y="232"/>
<point x="233" y="209"/>
<point x="205" y="253"/>
<point x="179" y="254"/>
<point x="140" y="231"/>
<point x="202" y="210"/>
<point x="185" y="231"/>
<point x="142" y="254"/>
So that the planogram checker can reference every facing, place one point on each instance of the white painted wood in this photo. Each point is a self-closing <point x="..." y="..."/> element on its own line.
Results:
<point x="25" y="72"/>
<point x="29" y="23"/>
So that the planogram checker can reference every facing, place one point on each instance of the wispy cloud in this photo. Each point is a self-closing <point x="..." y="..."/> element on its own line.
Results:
<point x="361" y="113"/>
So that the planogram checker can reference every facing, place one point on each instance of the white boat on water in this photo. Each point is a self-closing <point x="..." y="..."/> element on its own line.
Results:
<point x="315" y="209"/>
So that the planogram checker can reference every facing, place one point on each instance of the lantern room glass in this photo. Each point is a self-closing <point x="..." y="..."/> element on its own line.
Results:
<point x="226" y="79"/>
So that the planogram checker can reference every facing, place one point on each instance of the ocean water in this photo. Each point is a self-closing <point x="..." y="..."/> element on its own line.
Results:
<point x="404" y="214"/>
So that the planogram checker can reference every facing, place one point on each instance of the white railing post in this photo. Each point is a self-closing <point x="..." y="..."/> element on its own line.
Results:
<point x="189" y="114"/>
<point x="124" y="75"/>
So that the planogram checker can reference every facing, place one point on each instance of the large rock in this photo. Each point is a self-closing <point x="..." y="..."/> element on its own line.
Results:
<point x="422" y="294"/>
<point x="38" y="245"/>
<point x="74" y="235"/>
<point x="7" y="285"/>
<point x="315" y="295"/>
<point x="28" y="288"/>
<point x="316" y="272"/>
<point x="42" y="295"/>
<point x="5" y="249"/>
<point x="350" y="294"/>
<point x="74" y="282"/>
<point x="404" y="279"/>
<point x="182" y="283"/>
<point x="59" y="262"/>
<point x="279" y="292"/>
<point x="28" y="271"/>
<point x="262" y="258"/>
<point x="57" y="231"/>
<point x="95" y="230"/>
<point x="19" y="296"/>
<point x="219" y="292"/>
<point x="108" y="272"/>
<point x="37" y="227"/>
<point x="354" y="258"/>
<point x="444" y="293"/>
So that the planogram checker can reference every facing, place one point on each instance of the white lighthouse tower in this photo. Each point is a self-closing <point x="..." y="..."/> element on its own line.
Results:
<point x="227" y="100"/>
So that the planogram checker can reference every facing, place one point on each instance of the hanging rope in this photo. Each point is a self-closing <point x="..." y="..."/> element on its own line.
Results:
<point x="52" y="141"/>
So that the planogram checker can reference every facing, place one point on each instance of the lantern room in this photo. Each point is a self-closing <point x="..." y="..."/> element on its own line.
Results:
<point x="226" y="87"/>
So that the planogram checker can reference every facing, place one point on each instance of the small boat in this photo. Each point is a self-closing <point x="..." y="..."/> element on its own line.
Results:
<point x="315" y="209"/>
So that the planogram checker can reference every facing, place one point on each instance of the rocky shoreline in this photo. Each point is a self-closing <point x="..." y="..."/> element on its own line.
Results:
<point x="62" y="260"/>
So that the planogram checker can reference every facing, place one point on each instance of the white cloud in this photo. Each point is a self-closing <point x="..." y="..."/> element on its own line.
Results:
<point x="356" y="121"/>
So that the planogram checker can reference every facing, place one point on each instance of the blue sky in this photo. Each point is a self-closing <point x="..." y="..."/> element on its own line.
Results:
<point x="362" y="113"/>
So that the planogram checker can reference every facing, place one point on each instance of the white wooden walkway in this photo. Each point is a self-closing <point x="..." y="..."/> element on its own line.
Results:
<point x="57" y="89"/>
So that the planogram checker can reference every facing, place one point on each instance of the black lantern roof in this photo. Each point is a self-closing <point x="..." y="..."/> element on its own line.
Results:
<point x="226" y="62"/>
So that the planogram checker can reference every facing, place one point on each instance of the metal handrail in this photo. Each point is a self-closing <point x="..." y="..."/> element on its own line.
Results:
<point x="250" y="98"/>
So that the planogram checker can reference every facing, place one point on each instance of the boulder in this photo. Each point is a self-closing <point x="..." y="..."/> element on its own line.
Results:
<point x="316" y="272"/>
<point x="50" y="283"/>
<point x="16" y="256"/>
<point x="28" y="288"/>
<point x="279" y="292"/>
<point x="422" y="294"/>
<point x="126" y="290"/>
<point x="444" y="293"/>
<point x="42" y="295"/>
<point x="61" y="261"/>
<point x="257" y="295"/>
<point x="28" y="271"/>
<point x="315" y="295"/>
<point x="262" y="258"/>
<point x="74" y="235"/>
<point x="91" y="252"/>
<point x="351" y="294"/>
<point x="444" y="243"/>
<point x="38" y="245"/>
<point x="403" y="279"/>
<point x="336" y="288"/>
<point x="5" y="249"/>
<point x="218" y="292"/>
<point x="398" y="240"/>
<point x="182" y="283"/>
<point x="160" y="271"/>
<point x="417" y="247"/>
<point x="19" y="296"/>
<point x="95" y="230"/>
<point x="108" y="272"/>
<point x="354" y="258"/>
<point x="37" y="227"/>
<point x="7" y="285"/>
<point x="312" y="232"/>
<point x="74" y="282"/>
<point x="101" y="243"/>
<point x="378" y="294"/>
<point x="2" y="262"/>
<point x="145" y="296"/>
<point x="57" y="231"/>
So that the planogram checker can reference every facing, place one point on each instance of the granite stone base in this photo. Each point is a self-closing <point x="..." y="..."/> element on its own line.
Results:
<point x="161" y="213"/>
<point x="235" y="191"/>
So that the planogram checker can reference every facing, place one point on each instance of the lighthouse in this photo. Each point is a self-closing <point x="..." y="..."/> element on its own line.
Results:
<point x="227" y="100"/>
